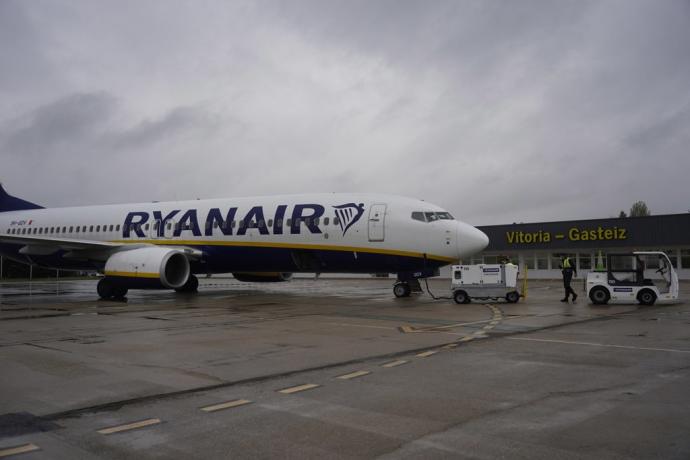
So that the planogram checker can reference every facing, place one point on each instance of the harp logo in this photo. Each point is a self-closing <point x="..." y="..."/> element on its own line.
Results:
<point x="348" y="214"/>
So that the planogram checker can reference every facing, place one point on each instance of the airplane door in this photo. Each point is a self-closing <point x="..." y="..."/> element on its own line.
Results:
<point x="169" y="229"/>
<point x="377" y="222"/>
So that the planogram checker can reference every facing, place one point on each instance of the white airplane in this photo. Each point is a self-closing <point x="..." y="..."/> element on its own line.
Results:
<point x="163" y="245"/>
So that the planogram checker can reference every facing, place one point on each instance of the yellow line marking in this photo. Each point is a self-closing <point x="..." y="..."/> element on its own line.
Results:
<point x="261" y="244"/>
<point x="361" y="325"/>
<point x="413" y="329"/>
<point x="467" y="339"/>
<point x="396" y="363"/>
<point x="426" y="353"/>
<point x="130" y="426"/>
<point x="226" y="405"/>
<point x="353" y="375"/>
<point x="18" y="450"/>
<point x="494" y="322"/>
<point x="450" y="345"/>
<point x="592" y="344"/>
<point x="297" y="389"/>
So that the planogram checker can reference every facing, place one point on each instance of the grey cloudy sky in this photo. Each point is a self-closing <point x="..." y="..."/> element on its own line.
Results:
<point x="500" y="111"/>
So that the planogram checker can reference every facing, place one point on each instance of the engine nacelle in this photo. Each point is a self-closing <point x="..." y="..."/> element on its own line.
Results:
<point x="149" y="267"/>
<point x="263" y="277"/>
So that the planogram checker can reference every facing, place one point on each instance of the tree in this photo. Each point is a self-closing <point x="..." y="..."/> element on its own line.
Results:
<point x="639" y="209"/>
<point x="622" y="215"/>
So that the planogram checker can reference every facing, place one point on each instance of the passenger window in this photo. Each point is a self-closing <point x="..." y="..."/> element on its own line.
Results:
<point x="336" y="221"/>
<point x="98" y="228"/>
<point x="279" y="222"/>
<point x="77" y="229"/>
<point x="146" y="227"/>
<point x="270" y="222"/>
<point x="288" y="222"/>
<point x="325" y="220"/>
<point x="316" y="221"/>
<point x="71" y="228"/>
<point x="418" y="215"/>
<point x="215" y="225"/>
<point x="40" y="231"/>
<point x="233" y="224"/>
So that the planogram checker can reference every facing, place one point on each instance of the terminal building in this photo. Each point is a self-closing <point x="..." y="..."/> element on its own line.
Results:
<point x="537" y="246"/>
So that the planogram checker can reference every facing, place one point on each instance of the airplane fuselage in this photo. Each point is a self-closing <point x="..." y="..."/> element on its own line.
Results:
<point x="352" y="233"/>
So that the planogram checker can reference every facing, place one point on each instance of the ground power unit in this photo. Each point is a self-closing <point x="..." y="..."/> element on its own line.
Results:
<point x="485" y="282"/>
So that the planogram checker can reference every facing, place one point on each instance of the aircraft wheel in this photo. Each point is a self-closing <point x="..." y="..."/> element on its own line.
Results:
<point x="512" y="297"/>
<point x="105" y="289"/>
<point x="461" y="297"/>
<point x="401" y="290"/>
<point x="646" y="297"/>
<point x="599" y="295"/>
<point x="192" y="285"/>
<point x="119" y="292"/>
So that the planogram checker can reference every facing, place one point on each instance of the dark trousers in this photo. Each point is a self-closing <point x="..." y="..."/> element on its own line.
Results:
<point x="567" y="277"/>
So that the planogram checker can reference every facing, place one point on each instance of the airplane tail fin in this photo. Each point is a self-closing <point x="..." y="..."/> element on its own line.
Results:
<point x="10" y="203"/>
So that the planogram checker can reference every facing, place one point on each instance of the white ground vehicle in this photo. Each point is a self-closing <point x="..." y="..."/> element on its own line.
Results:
<point x="644" y="276"/>
<point x="485" y="282"/>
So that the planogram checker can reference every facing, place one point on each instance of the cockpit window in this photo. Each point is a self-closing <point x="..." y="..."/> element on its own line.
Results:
<point x="431" y="216"/>
<point x="418" y="215"/>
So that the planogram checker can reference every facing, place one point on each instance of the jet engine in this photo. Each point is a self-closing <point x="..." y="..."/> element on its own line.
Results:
<point x="261" y="277"/>
<point x="152" y="267"/>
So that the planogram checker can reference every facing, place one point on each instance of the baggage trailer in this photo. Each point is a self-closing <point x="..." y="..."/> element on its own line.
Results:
<point x="485" y="282"/>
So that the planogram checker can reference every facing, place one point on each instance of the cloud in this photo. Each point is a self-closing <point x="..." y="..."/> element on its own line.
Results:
<point x="499" y="112"/>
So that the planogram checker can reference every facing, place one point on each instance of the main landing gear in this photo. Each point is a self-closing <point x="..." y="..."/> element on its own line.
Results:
<point x="107" y="289"/>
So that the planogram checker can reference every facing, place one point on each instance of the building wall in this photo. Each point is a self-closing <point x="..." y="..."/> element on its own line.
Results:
<point x="536" y="246"/>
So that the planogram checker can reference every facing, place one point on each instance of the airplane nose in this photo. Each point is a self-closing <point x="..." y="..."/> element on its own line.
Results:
<point x="470" y="240"/>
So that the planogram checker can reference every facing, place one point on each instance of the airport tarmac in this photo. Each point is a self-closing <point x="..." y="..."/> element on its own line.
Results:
<point x="338" y="368"/>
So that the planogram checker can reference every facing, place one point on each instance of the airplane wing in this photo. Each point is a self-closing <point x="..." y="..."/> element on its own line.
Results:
<point x="83" y="249"/>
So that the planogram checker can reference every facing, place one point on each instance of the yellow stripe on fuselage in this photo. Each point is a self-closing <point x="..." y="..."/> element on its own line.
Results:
<point x="260" y="244"/>
<point x="133" y="274"/>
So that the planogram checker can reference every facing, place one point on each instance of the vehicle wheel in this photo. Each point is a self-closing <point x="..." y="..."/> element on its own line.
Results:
<point x="105" y="289"/>
<point x="401" y="290"/>
<point x="646" y="297"/>
<point x="119" y="292"/>
<point x="512" y="297"/>
<point x="192" y="285"/>
<point x="599" y="295"/>
<point x="461" y="297"/>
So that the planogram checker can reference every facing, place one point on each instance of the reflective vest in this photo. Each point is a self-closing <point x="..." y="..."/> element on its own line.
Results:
<point x="566" y="263"/>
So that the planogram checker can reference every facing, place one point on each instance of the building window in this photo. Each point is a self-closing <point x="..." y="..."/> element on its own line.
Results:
<point x="542" y="261"/>
<point x="672" y="255"/>
<point x="528" y="260"/>
<point x="685" y="258"/>
<point x="585" y="261"/>
<point x="491" y="259"/>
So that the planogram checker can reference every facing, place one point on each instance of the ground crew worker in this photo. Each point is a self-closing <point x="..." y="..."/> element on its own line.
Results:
<point x="568" y="268"/>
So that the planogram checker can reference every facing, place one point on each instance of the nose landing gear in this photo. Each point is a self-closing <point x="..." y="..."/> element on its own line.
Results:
<point x="405" y="288"/>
